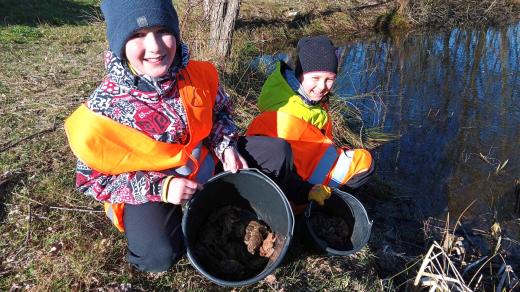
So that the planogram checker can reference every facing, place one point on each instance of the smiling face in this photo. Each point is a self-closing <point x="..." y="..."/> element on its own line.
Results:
<point x="151" y="51"/>
<point x="317" y="84"/>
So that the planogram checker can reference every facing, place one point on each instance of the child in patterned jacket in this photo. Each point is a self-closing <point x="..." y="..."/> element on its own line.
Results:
<point x="150" y="135"/>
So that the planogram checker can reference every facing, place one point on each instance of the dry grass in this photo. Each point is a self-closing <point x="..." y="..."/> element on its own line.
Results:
<point x="450" y="13"/>
<point x="56" y="239"/>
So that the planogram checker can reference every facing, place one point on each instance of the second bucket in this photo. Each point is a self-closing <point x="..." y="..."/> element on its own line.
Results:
<point x="345" y="206"/>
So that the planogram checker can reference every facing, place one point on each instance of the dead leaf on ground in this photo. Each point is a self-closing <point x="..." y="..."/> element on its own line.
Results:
<point x="56" y="248"/>
<point x="270" y="279"/>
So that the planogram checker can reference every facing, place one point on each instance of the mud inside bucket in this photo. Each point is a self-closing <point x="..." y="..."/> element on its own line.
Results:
<point x="251" y="196"/>
<point x="340" y="227"/>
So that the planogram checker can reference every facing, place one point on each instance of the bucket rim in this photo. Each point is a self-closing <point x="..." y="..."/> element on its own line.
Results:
<point x="274" y="264"/>
<point x="352" y="202"/>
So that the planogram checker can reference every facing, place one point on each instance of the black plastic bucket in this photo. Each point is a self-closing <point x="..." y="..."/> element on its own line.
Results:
<point x="347" y="207"/>
<point x="248" y="189"/>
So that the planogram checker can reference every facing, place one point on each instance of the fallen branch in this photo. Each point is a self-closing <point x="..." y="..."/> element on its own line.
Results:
<point x="6" y="177"/>
<point x="75" y="209"/>
<point x="11" y="144"/>
<point x="358" y="8"/>
<point x="79" y="209"/>
<point x="29" y="221"/>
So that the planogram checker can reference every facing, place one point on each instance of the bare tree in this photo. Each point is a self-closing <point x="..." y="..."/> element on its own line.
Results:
<point x="401" y="6"/>
<point x="207" y="8"/>
<point x="223" y="14"/>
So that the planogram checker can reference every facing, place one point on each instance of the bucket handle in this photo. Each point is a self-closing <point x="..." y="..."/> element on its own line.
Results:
<point x="187" y="204"/>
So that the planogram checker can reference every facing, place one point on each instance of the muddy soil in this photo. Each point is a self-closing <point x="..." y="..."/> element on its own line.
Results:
<point x="233" y="245"/>
<point x="332" y="229"/>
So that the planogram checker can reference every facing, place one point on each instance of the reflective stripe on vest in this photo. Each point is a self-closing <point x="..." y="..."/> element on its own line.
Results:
<point x="321" y="171"/>
<point x="336" y="170"/>
<point x="202" y="170"/>
<point x="350" y="163"/>
<point x="199" y="154"/>
<point x="340" y="171"/>
<point x="316" y="157"/>
<point x="206" y="169"/>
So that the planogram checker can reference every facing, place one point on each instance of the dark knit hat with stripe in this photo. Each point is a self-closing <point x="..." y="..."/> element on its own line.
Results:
<point x="125" y="17"/>
<point x="316" y="54"/>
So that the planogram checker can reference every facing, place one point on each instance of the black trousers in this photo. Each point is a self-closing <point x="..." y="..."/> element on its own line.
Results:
<point x="153" y="230"/>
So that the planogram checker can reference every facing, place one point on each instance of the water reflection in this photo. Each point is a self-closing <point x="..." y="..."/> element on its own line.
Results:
<point x="455" y="99"/>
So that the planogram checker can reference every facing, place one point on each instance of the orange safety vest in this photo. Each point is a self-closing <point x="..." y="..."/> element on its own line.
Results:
<point x="113" y="148"/>
<point x="316" y="158"/>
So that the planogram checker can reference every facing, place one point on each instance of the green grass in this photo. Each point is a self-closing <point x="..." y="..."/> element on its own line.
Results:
<point x="19" y="34"/>
<point x="53" y="12"/>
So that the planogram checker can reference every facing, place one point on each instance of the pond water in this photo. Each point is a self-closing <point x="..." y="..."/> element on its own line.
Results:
<point x="454" y="99"/>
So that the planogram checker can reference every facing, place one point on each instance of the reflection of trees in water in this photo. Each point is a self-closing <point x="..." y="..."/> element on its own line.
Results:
<point x="464" y="179"/>
<point x="453" y="95"/>
<point x="495" y="131"/>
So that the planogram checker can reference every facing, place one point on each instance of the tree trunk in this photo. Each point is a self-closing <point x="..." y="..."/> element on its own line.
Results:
<point x="401" y="6"/>
<point x="223" y="16"/>
<point x="207" y="5"/>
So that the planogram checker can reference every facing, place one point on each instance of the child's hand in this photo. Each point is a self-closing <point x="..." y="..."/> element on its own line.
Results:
<point x="232" y="160"/>
<point x="180" y="190"/>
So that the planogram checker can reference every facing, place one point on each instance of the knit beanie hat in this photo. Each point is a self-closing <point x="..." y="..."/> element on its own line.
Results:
<point x="124" y="17"/>
<point x="316" y="54"/>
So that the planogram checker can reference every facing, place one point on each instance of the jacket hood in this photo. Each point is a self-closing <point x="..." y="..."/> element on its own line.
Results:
<point x="278" y="95"/>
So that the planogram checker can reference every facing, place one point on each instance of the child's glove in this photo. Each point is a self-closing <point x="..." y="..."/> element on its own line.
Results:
<point x="319" y="193"/>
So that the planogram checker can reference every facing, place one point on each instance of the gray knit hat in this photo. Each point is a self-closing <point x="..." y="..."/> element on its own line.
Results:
<point x="316" y="54"/>
<point x="124" y="17"/>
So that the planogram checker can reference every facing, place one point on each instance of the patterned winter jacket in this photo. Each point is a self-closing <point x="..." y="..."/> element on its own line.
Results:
<point x="152" y="106"/>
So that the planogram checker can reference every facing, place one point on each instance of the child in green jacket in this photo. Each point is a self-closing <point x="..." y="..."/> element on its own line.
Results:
<point x="289" y="97"/>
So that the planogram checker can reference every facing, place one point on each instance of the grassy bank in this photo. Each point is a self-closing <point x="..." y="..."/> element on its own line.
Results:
<point x="53" y="238"/>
